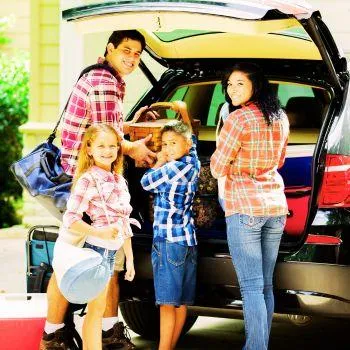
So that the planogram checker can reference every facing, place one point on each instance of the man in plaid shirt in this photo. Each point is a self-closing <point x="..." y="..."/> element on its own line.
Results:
<point x="173" y="180"/>
<point x="98" y="98"/>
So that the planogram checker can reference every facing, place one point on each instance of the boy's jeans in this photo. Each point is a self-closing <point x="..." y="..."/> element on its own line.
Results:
<point x="253" y="242"/>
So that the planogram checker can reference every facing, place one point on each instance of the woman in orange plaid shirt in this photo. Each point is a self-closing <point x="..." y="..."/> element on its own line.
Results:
<point x="251" y="147"/>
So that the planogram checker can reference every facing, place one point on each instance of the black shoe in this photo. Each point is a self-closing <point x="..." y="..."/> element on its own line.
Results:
<point x="117" y="337"/>
<point x="58" y="340"/>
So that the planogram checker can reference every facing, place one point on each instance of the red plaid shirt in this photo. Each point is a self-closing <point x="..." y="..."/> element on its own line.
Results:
<point x="249" y="152"/>
<point x="97" y="98"/>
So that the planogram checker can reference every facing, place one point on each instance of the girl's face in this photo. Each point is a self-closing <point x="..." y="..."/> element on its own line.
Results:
<point x="239" y="88"/>
<point x="104" y="150"/>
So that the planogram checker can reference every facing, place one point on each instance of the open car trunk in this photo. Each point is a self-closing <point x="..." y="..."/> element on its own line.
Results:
<point x="306" y="106"/>
<point x="197" y="41"/>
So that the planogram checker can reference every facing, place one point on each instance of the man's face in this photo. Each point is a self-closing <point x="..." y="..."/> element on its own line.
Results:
<point x="125" y="58"/>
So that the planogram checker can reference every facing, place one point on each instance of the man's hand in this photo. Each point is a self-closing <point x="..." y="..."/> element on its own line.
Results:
<point x="139" y="151"/>
<point x="144" y="114"/>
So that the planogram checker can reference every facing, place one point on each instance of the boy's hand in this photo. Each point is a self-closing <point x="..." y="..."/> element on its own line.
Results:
<point x="130" y="270"/>
<point x="162" y="158"/>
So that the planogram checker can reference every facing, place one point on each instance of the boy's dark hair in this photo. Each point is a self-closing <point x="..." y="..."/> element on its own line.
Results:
<point x="119" y="35"/>
<point x="178" y="127"/>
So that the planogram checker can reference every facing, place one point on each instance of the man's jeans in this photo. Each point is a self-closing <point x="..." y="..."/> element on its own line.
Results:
<point x="253" y="242"/>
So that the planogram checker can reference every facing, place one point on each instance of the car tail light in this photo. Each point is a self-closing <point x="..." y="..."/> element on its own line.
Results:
<point x="335" y="190"/>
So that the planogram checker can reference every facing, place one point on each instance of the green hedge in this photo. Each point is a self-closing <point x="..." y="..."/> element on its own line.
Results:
<point x="14" y="91"/>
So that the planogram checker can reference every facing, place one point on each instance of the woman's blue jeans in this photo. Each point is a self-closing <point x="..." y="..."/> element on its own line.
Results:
<point x="253" y="242"/>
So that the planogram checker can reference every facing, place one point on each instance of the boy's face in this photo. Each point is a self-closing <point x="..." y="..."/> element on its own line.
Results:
<point x="174" y="145"/>
<point x="125" y="58"/>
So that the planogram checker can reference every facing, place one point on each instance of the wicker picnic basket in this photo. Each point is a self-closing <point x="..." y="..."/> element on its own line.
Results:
<point x="139" y="130"/>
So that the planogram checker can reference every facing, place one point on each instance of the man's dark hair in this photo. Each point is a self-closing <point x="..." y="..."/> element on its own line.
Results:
<point x="119" y="35"/>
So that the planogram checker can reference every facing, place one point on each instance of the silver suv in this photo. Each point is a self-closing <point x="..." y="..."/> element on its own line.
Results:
<point x="196" y="42"/>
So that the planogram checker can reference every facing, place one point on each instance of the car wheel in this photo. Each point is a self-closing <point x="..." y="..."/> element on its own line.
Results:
<point x="143" y="318"/>
<point x="299" y="320"/>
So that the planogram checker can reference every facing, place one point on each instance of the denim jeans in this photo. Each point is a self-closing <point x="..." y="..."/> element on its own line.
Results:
<point x="174" y="272"/>
<point x="253" y="242"/>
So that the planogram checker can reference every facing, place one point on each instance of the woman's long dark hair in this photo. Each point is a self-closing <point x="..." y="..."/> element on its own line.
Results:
<point x="263" y="95"/>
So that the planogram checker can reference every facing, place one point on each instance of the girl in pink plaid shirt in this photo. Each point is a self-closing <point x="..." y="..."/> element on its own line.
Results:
<point x="100" y="191"/>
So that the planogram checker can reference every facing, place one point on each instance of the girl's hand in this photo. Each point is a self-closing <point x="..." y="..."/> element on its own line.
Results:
<point x="130" y="270"/>
<point x="107" y="232"/>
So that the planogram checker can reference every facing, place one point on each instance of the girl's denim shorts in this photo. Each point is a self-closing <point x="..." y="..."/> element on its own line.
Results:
<point x="108" y="254"/>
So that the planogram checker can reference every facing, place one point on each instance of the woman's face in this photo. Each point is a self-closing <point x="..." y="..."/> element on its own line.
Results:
<point x="239" y="88"/>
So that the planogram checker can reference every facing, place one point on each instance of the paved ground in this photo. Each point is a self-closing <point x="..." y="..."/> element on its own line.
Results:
<point x="207" y="333"/>
<point x="12" y="266"/>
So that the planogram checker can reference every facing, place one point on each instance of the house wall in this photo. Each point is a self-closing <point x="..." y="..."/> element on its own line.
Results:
<point x="19" y="30"/>
<point x="336" y="14"/>
<point x="44" y="89"/>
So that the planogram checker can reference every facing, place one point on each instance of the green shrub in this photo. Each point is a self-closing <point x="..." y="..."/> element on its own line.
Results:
<point x="14" y="91"/>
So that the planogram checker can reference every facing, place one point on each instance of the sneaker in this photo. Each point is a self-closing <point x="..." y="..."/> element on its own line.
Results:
<point x="58" y="340"/>
<point x="117" y="337"/>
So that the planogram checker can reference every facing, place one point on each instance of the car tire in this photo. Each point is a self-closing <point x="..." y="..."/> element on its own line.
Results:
<point x="143" y="318"/>
<point x="299" y="320"/>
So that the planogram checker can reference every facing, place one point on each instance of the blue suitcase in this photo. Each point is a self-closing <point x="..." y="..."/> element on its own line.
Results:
<point x="39" y="253"/>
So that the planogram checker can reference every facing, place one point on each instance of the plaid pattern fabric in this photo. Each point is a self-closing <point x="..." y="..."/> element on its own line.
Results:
<point x="249" y="152"/>
<point x="85" y="197"/>
<point x="97" y="98"/>
<point x="174" y="185"/>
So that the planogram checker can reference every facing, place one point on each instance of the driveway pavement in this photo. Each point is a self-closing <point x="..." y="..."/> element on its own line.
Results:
<point x="208" y="332"/>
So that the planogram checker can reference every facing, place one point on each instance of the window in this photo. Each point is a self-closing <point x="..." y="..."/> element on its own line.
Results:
<point x="287" y="91"/>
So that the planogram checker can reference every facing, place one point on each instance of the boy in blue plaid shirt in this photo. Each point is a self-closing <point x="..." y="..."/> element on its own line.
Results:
<point x="173" y="180"/>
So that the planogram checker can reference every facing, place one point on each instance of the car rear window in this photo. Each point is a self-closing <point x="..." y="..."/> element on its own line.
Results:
<point x="303" y="104"/>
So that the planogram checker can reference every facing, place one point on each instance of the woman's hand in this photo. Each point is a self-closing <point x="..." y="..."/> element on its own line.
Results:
<point x="130" y="270"/>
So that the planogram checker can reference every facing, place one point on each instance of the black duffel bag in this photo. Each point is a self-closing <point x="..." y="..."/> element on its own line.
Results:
<point x="41" y="173"/>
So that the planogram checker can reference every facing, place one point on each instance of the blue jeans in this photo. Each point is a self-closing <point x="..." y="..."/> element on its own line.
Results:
<point x="253" y="242"/>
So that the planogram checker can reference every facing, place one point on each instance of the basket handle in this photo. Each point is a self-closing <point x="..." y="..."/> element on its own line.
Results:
<point x="177" y="106"/>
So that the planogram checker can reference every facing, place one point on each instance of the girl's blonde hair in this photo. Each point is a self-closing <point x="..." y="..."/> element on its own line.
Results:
<point x="86" y="161"/>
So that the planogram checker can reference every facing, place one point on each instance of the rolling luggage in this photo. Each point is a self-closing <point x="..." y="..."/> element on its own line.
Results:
<point x="39" y="253"/>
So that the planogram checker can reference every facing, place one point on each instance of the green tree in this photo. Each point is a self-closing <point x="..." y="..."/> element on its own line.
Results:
<point x="14" y="91"/>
